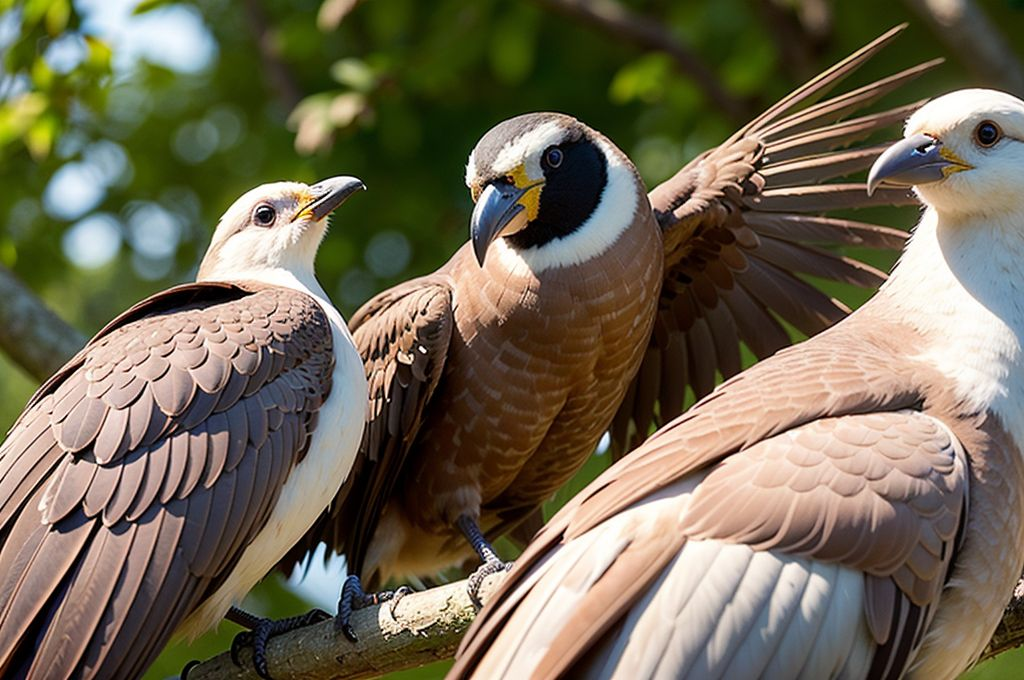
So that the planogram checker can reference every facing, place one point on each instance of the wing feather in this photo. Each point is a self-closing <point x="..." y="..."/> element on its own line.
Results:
<point x="402" y="336"/>
<point x="99" y="484"/>
<point x="851" y="496"/>
<point x="742" y="220"/>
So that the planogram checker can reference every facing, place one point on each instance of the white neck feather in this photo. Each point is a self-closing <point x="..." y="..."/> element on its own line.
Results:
<point x="957" y="283"/>
<point x="613" y="214"/>
<point x="297" y="278"/>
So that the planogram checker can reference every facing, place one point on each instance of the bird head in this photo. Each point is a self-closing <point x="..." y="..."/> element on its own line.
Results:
<point x="547" y="184"/>
<point x="962" y="152"/>
<point x="274" y="226"/>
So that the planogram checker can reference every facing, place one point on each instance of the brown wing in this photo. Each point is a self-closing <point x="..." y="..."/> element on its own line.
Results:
<point x="136" y="476"/>
<point x="742" y="224"/>
<point x="402" y="336"/>
<point x="882" y="493"/>
<point x="785" y="391"/>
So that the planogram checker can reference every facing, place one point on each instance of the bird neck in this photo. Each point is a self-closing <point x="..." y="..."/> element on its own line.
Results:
<point x="957" y="284"/>
<point x="302" y="279"/>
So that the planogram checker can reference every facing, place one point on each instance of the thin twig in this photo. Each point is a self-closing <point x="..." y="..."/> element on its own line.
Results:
<point x="1010" y="633"/>
<point x="31" y="334"/>
<point x="798" y="46"/>
<point x="425" y="627"/>
<point x="277" y="72"/>
<point x="625" y="25"/>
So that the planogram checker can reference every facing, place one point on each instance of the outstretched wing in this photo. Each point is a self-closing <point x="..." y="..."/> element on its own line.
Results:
<point x="844" y="526"/>
<point x="402" y="336"/>
<point x="138" y="474"/>
<point x="743" y="222"/>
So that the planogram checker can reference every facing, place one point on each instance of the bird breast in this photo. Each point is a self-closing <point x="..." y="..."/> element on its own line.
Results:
<point x="537" y="367"/>
<point x="311" y="484"/>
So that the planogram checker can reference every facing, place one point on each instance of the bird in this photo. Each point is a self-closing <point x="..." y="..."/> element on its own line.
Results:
<point x="493" y="379"/>
<point x="167" y="467"/>
<point x="850" y="507"/>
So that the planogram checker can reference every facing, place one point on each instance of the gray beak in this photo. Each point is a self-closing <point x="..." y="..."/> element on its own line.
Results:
<point x="330" y="193"/>
<point x="913" y="161"/>
<point x="497" y="206"/>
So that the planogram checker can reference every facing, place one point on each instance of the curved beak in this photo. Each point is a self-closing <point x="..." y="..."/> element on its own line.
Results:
<point x="920" y="159"/>
<point x="498" y="205"/>
<point x="329" y="194"/>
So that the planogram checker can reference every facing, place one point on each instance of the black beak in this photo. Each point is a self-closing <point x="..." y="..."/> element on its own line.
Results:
<point x="912" y="161"/>
<point x="497" y="206"/>
<point x="330" y="193"/>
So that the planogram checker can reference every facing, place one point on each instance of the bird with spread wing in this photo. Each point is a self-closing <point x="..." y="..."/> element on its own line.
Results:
<point x="583" y="303"/>
<point x="852" y="507"/>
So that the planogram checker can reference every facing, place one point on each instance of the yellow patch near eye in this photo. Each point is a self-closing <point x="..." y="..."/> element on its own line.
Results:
<point x="531" y="199"/>
<point x="959" y="164"/>
<point x="305" y="199"/>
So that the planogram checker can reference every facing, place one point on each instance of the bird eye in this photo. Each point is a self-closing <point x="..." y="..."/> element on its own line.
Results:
<point x="264" y="215"/>
<point x="987" y="133"/>
<point x="553" y="157"/>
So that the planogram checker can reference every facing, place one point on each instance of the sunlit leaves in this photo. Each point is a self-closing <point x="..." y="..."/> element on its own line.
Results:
<point x="37" y="100"/>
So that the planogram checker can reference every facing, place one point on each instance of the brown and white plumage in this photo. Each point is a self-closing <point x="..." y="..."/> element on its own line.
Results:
<point x="164" y="470"/>
<point x="851" y="507"/>
<point x="491" y="383"/>
<point x="746" y="225"/>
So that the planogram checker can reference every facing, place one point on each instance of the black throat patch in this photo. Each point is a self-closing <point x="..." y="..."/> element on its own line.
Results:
<point x="570" y="195"/>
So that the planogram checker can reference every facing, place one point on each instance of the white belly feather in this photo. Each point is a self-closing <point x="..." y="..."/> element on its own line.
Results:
<point x="310" y="486"/>
<point x="719" y="610"/>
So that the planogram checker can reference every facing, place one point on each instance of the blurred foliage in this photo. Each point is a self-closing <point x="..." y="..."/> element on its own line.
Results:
<point x="127" y="128"/>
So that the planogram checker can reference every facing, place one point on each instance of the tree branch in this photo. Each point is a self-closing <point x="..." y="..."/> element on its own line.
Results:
<point x="426" y="627"/>
<point x="30" y="332"/>
<point x="1010" y="633"/>
<point x="277" y="72"/>
<point x="968" y="33"/>
<point x="617" y="20"/>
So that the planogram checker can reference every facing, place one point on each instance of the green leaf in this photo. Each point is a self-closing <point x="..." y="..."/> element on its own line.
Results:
<point x="41" y="135"/>
<point x="643" y="79"/>
<point x="514" y="46"/>
<point x="42" y="74"/>
<point x="98" y="58"/>
<point x="149" y="5"/>
<point x="57" y="15"/>
<point x="354" y="73"/>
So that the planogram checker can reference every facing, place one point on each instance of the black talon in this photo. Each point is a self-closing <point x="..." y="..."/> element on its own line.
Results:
<point x="243" y="639"/>
<point x="261" y="630"/>
<point x="188" y="667"/>
<point x="477" y="578"/>
<point x="353" y="597"/>
<point x="396" y="597"/>
<point x="492" y="564"/>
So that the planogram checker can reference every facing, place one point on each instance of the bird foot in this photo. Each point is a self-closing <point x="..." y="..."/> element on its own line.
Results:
<point x="353" y="597"/>
<point x="476" y="579"/>
<point x="183" y="675"/>
<point x="261" y="630"/>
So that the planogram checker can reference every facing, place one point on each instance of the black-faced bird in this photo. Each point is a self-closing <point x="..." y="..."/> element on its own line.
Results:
<point x="583" y="303"/>
<point x="852" y="507"/>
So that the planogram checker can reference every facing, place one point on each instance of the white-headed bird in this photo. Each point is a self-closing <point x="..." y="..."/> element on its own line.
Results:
<point x="166" y="468"/>
<point x="852" y="507"/>
<point x="581" y="303"/>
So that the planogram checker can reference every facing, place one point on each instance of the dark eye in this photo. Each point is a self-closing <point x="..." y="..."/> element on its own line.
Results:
<point x="987" y="133"/>
<point x="553" y="157"/>
<point x="264" y="215"/>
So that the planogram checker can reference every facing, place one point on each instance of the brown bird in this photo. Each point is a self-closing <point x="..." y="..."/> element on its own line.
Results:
<point x="851" y="507"/>
<point x="493" y="379"/>
<point x="166" y="468"/>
